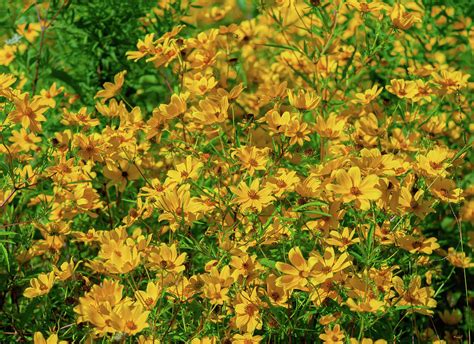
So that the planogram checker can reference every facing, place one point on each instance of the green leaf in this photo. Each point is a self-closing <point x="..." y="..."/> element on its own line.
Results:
<point x="267" y="262"/>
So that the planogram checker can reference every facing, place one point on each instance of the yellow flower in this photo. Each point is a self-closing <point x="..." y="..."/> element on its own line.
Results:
<point x="29" y="113"/>
<point x="178" y="206"/>
<point x="403" y="88"/>
<point x="6" y="80"/>
<point x="333" y="336"/>
<point x="277" y="295"/>
<point x="414" y="203"/>
<point x="297" y="131"/>
<point x="303" y="100"/>
<point x="7" y="54"/>
<point x="129" y="319"/>
<point x="342" y="240"/>
<point x="24" y="141"/>
<point x="253" y="197"/>
<point x="331" y="128"/>
<point x="435" y="162"/>
<point x="30" y="30"/>
<point x="40" y="285"/>
<point x="450" y="81"/>
<point x="145" y="47"/>
<point x="417" y="245"/>
<point x="414" y="295"/>
<point x="120" y="173"/>
<point x="445" y="190"/>
<point x="247" y="338"/>
<point x="368" y="305"/>
<point x="369" y="95"/>
<point x="149" y="297"/>
<point x="299" y="273"/>
<point x="351" y="186"/>
<point x="65" y="271"/>
<point x="251" y="158"/>
<point x="189" y="169"/>
<point x="283" y="181"/>
<point x="368" y="341"/>
<point x="52" y="339"/>
<point x="247" y="312"/>
<point x="112" y="89"/>
<point x="97" y="305"/>
<point x="459" y="259"/>
<point x="402" y="19"/>
<point x="176" y="107"/>
<point x="165" y="258"/>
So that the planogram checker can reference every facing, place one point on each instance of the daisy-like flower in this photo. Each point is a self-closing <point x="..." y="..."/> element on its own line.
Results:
<point x="252" y="158"/>
<point x="351" y="187"/>
<point x="333" y="336"/>
<point x="129" y="319"/>
<point x="296" y="275"/>
<point x="369" y="95"/>
<point x="342" y="240"/>
<point x="29" y="113"/>
<point x="112" y="89"/>
<point x="40" y="285"/>
<point x="247" y="312"/>
<point x="253" y="197"/>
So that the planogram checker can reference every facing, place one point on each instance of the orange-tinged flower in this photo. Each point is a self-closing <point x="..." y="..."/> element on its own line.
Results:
<point x="30" y="30"/>
<point x="120" y="173"/>
<point x="331" y="128"/>
<point x="369" y="95"/>
<point x="445" y="190"/>
<point x="402" y="19"/>
<point x="253" y="197"/>
<point x="246" y="338"/>
<point x="179" y="208"/>
<point x="38" y="338"/>
<point x="352" y="187"/>
<point x="333" y="336"/>
<point x="29" y="113"/>
<point x="149" y="297"/>
<point x="414" y="203"/>
<point x="459" y="259"/>
<point x="303" y="100"/>
<point x="299" y="273"/>
<point x="24" y="141"/>
<point x="252" y="158"/>
<point x="403" y="88"/>
<point x="417" y="245"/>
<point x="40" y="285"/>
<point x="342" y="240"/>
<point x="247" y="312"/>
<point x="112" y="89"/>
<point x="187" y="170"/>
<point x="129" y="319"/>
<point x="420" y="299"/>
<point x="165" y="258"/>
